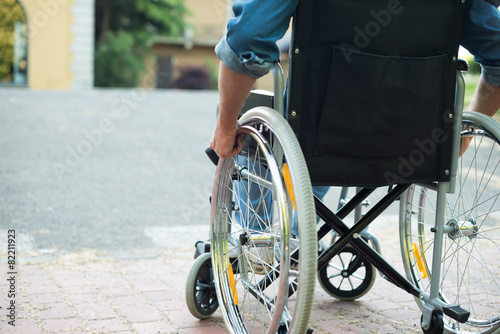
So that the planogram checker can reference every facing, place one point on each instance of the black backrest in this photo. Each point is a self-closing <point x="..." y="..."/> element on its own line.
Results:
<point x="371" y="89"/>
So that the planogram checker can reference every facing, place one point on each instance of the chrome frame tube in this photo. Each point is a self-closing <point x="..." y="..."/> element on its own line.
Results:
<point x="247" y="176"/>
<point x="279" y="88"/>
<point x="457" y="125"/>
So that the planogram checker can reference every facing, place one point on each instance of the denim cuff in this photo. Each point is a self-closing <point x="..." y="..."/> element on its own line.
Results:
<point x="491" y="75"/>
<point x="247" y="63"/>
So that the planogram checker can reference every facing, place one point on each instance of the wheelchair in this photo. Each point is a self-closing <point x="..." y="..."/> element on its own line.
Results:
<point x="374" y="99"/>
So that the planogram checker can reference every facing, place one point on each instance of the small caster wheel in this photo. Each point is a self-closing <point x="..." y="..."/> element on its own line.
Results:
<point x="347" y="276"/>
<point x="200" y="289"/>
<point x="436" y="326"/>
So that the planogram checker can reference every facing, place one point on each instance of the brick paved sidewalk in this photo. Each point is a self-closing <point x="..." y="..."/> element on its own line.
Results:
<point x="81" y="293"/>
<point x="132" y="193"/>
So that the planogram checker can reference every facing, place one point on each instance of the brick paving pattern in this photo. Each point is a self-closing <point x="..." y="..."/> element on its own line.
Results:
<point x="147" y="296"/>
<point x="134" y="193"/>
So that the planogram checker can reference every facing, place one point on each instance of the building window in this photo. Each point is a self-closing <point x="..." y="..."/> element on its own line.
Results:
<point x="13" y="44"/>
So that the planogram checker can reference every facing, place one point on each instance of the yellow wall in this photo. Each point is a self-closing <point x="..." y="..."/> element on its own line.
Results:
<point x="49" y="40"/>
<point x="207" y="18"/>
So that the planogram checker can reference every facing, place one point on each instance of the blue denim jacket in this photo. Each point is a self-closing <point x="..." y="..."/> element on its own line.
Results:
<point x="250" y="44"/>
<point x="481" y="36"/>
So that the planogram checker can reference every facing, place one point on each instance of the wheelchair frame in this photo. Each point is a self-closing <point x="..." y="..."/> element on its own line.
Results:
<point x="433" y="303"/>
<point x="357" y="237"/>
<point x="334" y="222"/>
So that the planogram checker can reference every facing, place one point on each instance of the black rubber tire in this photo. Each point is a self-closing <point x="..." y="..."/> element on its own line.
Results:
<point x="347" y="267"/>
<point x="201" y="298"/>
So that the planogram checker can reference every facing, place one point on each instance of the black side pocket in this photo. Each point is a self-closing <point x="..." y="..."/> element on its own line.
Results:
<point x="378" y="106"/>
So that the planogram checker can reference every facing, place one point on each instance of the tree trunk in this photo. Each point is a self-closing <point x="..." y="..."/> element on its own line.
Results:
<point x="105" y="20"/>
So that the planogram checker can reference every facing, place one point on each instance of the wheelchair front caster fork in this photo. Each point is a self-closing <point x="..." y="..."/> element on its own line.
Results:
<point x="201" y="248"/>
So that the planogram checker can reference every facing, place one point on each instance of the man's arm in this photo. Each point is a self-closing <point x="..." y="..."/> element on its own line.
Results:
<point x="486" y="99"/>
<point x="233" y="90"/>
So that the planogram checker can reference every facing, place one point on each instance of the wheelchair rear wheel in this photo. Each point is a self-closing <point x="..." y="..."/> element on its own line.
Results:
<point x="470" y="274"/>
<point x="259" y="260"/>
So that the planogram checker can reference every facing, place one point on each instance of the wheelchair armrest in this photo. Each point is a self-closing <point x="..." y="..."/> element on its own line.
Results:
<point x="462" y="65"/>
<point x="258" y="98"/>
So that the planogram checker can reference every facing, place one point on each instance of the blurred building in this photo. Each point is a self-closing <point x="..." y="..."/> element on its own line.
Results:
<point x="53" y="43"/>
<point x="178" y="59"/>
<point x="49" y="44"/>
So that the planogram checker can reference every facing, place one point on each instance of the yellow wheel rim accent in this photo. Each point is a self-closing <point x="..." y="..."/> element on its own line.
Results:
<point x="289" y="185"/>
<point x="420" y="261"/>
<point x="232" y="283"/>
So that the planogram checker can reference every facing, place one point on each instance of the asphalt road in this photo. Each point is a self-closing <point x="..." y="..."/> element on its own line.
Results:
<point x="120" y="172"/>
<point x="114" y="173"/>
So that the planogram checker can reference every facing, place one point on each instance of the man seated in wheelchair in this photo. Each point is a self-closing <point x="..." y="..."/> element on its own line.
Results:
<point x="251" y="187"/>
<point x="249" y="49"/>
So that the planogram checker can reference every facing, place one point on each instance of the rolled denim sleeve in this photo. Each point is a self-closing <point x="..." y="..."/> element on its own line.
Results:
<point x="491" y="75"/>
<point x="249" y="46"/>
<point x="481" y="36"/>
<point x="248" y="63"/>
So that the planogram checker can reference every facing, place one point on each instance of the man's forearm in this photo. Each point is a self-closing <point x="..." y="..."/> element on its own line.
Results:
<point x="486" y="99"/>
<point x="233" y="90"/>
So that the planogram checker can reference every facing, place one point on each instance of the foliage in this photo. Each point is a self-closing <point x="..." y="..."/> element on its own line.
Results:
<point x="116" y="65"/>
<point x="10" y="13"/>
<point x="471" y="80"/>
<point x="213" y="69"/>
<point x="474" y="68"/>
<point x="125" y="29"/>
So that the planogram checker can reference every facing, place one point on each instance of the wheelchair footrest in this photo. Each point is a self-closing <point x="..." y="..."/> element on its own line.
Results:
<point x="456" y="312"/>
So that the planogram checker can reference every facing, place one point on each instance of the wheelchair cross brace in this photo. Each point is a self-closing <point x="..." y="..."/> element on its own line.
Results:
<point x="352" y="236"/>
<point x="334" y="222"/>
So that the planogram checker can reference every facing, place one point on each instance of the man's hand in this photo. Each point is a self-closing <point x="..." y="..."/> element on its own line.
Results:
<point x="226" y="143"/>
